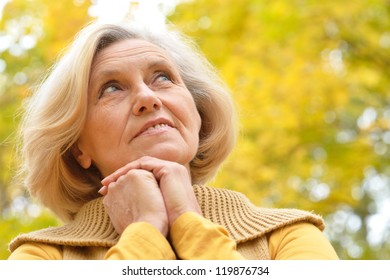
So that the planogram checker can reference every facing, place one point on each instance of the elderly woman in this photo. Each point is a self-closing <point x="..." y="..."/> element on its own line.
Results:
<point x="119" y="140"/>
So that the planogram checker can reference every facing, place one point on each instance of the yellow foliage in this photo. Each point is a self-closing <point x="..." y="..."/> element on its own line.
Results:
<point x="302" y="74"/>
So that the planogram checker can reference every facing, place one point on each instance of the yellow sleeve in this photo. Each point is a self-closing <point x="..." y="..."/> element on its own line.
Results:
<point x="300" y="241"/>
<point x="36" y="251"/>
<point x="141" y="241"/>
<point x="196" y="238"/>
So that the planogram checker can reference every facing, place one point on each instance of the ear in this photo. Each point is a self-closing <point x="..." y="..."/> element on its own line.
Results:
<point x="82" y="158"/>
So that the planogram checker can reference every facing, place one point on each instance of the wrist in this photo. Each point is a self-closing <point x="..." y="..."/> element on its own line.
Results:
<point x="159" y="224"/>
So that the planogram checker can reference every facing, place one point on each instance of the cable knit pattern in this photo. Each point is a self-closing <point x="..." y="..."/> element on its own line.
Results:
<point x="245" y="223"/>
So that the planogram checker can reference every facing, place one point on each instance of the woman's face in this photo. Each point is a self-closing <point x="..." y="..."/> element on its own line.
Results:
<point x="137" y="105"/>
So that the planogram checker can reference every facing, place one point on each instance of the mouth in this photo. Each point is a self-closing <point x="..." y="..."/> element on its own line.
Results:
<point x="158" y="126"/>
<point x="155" y="127"/>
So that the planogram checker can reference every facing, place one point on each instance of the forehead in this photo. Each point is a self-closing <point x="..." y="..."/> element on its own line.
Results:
<point x="130" y="49"/>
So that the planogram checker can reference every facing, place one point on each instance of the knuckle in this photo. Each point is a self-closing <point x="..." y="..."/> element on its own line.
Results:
<point x="136" y="174"/>
<point x="177" y="167"/>
<point x="111" y="187"/>
<point x="131" y="174"/>
<point x="120" y="179"/>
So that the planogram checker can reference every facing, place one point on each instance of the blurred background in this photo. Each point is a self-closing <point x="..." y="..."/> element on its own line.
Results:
<point x="310" y="80"/>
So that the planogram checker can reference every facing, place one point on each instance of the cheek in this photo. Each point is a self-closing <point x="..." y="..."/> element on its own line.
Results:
<point x="191" y="111"/>
<point x="94" y="126"/>
<point x="100" y="125"/>
<point x="108" y="118"/>
<point x="197" y="120"/>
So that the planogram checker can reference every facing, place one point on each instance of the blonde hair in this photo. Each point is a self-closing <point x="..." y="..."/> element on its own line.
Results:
<point x="56" y="113"/>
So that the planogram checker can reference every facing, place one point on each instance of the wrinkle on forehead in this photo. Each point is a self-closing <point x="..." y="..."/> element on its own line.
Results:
<point x="152" y="54"/>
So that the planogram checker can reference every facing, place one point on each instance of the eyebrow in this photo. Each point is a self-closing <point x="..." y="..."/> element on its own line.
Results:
<point x="160" y="62"/>
<point x="151" y="64"/>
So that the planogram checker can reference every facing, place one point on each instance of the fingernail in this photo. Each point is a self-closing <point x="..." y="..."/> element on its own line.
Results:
<point x="102" y="190"/>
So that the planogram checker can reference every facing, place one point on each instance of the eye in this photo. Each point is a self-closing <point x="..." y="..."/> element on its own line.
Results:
<point x="109" y="88"/>
<point x="163" y="77"/>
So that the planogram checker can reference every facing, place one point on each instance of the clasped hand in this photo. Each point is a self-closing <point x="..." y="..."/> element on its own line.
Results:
<point x="148" y="190"/>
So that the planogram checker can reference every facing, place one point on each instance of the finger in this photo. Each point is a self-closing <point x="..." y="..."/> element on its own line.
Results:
<point x="120" y="172"/>
<point x="154" y="165"/>
<point x="103" y="190"/>
<point x="161" y="168"/>
<point x="146" y="163"/>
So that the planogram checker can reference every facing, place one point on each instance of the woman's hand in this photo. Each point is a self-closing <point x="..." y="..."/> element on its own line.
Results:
<point x="135" y="197"/>
<point x="173" y="179"/>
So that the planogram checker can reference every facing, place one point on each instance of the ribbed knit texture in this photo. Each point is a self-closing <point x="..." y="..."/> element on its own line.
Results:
<point x="243" y="220"/>
<point x="246" y="224"/>
<point x="91" y="227"/>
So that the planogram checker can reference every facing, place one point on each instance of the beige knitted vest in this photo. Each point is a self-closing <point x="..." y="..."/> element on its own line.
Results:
<point x="91" y="233"/>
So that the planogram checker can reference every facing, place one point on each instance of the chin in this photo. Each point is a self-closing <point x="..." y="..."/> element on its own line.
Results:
<point x="173" y="155"/>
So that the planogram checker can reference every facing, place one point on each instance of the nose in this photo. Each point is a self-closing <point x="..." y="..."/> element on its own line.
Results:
<point x="146" y="101"/>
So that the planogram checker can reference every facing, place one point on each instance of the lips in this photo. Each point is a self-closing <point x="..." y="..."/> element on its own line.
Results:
<point x="155" y="126"/>
<point x="158" y="126"/>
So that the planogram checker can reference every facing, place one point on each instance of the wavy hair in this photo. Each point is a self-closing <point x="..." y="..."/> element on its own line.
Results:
<point x="55" y="115"/>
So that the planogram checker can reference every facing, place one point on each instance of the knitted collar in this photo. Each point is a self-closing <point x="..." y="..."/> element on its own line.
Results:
<point x="243" y="221"/>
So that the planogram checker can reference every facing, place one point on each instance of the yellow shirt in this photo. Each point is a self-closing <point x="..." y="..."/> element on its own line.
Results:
<point x="194" y="237"/>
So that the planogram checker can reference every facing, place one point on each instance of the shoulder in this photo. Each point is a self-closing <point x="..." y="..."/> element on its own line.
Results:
<point x="91" y="227"/>
<point x="300" y="240"/>
<point x="245" y="221"/>
<point x="36" y="251"/>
